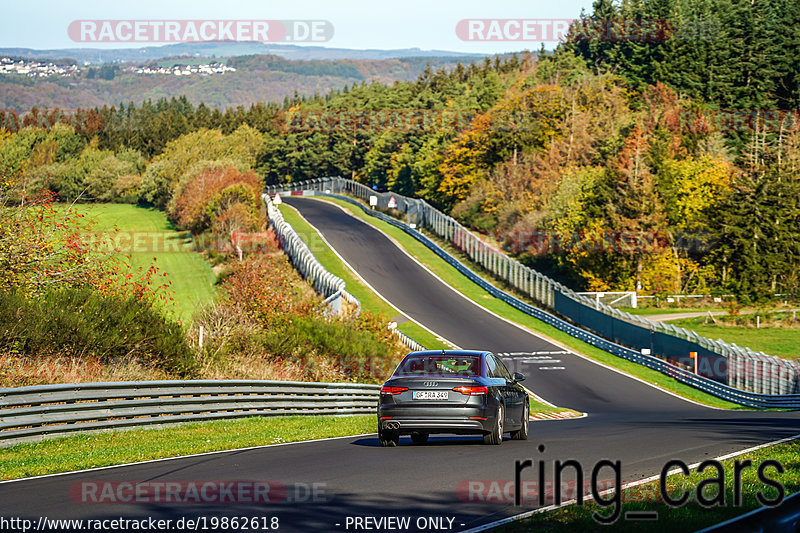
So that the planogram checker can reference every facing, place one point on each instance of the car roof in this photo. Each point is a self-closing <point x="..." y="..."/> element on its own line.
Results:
<point x="451" y="352"/>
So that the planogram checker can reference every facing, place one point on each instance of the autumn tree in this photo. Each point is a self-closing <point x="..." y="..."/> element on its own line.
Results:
<point x="213" y="192"/>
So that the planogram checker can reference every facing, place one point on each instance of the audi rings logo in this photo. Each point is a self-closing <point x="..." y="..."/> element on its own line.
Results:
<point x="431" y="383"/>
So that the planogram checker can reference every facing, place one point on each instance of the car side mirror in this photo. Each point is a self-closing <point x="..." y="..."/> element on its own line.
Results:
<point x="518" y="377"/>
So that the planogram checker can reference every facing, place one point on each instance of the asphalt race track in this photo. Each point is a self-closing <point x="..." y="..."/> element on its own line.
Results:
<point x="627" y="421"/>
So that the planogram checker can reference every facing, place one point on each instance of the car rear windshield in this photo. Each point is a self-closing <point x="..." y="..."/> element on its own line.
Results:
<point x="440" y="365"/>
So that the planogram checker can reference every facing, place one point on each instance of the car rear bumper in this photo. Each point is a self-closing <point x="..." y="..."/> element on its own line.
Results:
<point x="437" y="425"/>
<point x="474" y="416"/>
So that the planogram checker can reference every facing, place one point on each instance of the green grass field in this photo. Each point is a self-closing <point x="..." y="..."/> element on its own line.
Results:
<point x="148" y="237"/>
<point x="778" y="341"/>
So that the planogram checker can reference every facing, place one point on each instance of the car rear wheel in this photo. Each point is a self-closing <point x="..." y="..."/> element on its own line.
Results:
<point x="419" y="438"/>
<point x="388" y="438"/>
<point x="522" y="433"/>
<point x="496" y="435"/>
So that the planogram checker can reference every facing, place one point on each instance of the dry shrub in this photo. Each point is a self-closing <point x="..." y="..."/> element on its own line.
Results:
<point x="21" y="371"/>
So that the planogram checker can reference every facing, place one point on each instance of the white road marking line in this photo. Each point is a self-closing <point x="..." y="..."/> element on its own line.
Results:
<point x="538" y="360"/>
<point x="515" y="354"/>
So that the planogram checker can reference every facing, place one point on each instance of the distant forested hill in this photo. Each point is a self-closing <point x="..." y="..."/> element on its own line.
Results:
<point x="217" y="49"/>
<point x="258" y="78"/>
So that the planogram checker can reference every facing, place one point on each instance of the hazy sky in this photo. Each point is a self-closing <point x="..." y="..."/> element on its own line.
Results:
<point x="426" y="24"/>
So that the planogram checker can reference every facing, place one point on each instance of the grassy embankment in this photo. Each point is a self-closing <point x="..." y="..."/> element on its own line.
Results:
<point x="148" y="237"/>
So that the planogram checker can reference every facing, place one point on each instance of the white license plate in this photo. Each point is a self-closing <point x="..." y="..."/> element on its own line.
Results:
<point x="429" y="395"/>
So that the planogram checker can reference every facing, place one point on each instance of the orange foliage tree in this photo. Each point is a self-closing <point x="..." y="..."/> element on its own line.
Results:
<point x="225" y="194"/>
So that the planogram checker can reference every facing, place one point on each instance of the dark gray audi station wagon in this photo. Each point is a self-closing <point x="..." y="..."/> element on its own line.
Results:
<point x="452" y="391"/>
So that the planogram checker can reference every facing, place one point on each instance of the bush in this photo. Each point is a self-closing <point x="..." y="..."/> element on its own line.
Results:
<point x="268" y="290"/>
<point x="79" y="322"/>
<point x="312" y="341"/>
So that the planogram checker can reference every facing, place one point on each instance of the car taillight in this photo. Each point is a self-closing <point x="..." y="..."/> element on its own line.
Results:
<point x="393" y="390"/>
<point x="471" y="391"/>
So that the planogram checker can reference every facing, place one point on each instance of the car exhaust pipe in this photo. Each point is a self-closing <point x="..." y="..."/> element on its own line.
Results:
<point x="391" y="425"/>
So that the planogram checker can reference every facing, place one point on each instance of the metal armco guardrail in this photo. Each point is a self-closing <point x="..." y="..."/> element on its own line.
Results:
<point x="754" y="379"/>
<point x="331" y="287"/>
<point x="33" y="413"/>
<point x="408" y="341"/>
